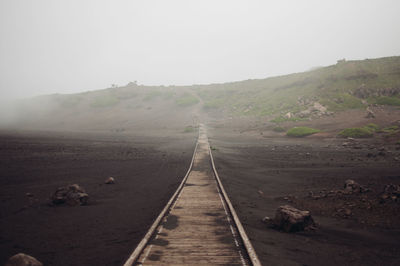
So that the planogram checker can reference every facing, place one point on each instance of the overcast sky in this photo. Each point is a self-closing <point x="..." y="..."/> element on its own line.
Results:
<point x="53" y="46"/>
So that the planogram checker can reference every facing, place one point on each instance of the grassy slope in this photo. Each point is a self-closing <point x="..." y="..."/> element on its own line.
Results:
<point x="332" y="86"/>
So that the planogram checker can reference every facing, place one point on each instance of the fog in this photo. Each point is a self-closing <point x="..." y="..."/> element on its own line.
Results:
<point x="52" y="46"/>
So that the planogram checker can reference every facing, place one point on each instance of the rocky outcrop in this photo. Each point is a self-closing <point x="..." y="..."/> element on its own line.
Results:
<point x="363" y="92"/>
<point x="316" y="109"/>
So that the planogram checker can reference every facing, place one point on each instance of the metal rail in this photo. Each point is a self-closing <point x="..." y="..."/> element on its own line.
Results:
<point x="242" y="233"/>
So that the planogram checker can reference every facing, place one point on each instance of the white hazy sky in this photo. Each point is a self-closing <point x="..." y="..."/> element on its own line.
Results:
<point x="54" y="46"/>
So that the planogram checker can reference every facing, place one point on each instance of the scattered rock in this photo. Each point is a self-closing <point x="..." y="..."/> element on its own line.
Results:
<point x="290" y="219"/>
<point x="71" y="195"/>
<point x="370" y="113"/>
<point x="344" y="212"/>
<point x="22" y="259"/>
<point x="351" y="186"/>
<point x="110" y="181"/>
<point x="319" y="107"/>
<point x="268" y="221"/>
<point x="390" y="192"/>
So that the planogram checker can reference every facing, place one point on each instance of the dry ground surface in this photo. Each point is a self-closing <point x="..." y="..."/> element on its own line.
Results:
<point x="260" y="169"/>
<point x="262" y="172"/>
<point x="147" y="171"/>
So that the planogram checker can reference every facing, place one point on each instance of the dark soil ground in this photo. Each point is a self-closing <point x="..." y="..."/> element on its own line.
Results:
<point x="105" y="232"/>
<point x="262" y="173"/>
<point x="261" y="170"/>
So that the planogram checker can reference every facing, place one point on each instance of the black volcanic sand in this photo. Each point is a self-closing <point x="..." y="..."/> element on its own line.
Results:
<point x="105" y="232"/>
<point x="261" y="174"/>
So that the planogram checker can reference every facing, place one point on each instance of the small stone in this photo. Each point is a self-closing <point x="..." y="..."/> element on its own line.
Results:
<point x="110" y="180"/>
<point x="22" y="259"/>
<point x="268" y="221"/>
<point x="351" y="186"/>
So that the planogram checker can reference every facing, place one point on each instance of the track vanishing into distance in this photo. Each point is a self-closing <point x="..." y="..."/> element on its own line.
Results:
<point x="198" y="226"/>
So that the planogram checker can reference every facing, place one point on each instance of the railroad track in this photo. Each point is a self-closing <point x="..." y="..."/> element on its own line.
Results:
<point x="199" y="225"/>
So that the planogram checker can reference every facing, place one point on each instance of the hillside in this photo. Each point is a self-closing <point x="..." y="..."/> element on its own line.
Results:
<point x="117" y="109"/>
<point x="321" y="92"/>
<point x="346" y="85"/>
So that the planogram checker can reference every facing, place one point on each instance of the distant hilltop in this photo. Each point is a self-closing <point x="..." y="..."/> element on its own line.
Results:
<point x="318" y="92"/>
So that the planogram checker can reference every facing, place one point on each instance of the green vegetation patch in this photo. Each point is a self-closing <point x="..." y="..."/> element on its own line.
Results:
<point x="152" y="95"/>
<point x="104" y="101"/>
<point x="188" y="129"/>
<point x="357" y="132"/>
<point x="391" y="129"/>
<point x="186" y="100"/>
<point x="385" y="100"/>
<point x="168" y="95"/>
<point x="213" y="104"/>
<point x="373" y="127"/>
<point x="341" y="101"/>
<point x="279" y="129"/>
<point x="281" y="119"/>
<point x="301" y="131"/>
<point x="70" y="101"/>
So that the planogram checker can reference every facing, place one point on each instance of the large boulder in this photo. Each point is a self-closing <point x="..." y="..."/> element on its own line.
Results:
<point x="290" y="219"/>
<point x="22" y="259"/>
<point x="72" y="195"/>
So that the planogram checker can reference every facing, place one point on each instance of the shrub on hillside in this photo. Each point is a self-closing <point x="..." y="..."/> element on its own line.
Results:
<point x="188" y="129"/>
<point x="373" y="127"/>
<point x="356" y="132"/>
<point x="301" y="131"/>
<point x="386" y="100"/>
<point x="186" y="100"/>
<point x="104" y="101"/>
<point x="391" y="129"/>
<point x="278" y="129"/>
<point x="281" y="119"/>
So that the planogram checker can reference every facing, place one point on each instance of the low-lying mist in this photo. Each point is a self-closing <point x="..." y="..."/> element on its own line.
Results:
<point x="347" y="85"/>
